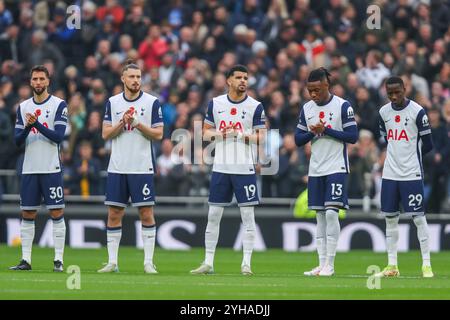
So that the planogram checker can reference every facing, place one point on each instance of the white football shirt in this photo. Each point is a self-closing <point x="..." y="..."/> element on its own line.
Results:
<point x="328" y="155"/>
<point x="42" y="154"/>
<point x="403" y="129"/>
<point x="131" y="151"/>
<point x="234" y="156"/>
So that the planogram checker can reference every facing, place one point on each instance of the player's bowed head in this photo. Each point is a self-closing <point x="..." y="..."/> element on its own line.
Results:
<point x="131" y="79"/>
<point x="395" y="90"/>
<point x="318" y="86"/>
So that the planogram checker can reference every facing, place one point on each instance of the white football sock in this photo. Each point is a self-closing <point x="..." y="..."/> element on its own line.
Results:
<point x="148" y="238"/>
<point x="27" y="237"/>
<point x="59" y="237"/>
<point x="392" y="239"/>
<point x="212" y="233"/>
<point x="423" y="236"/>
<point x="333" y="230"/>
<point x="321" y="237"/>
<point x="113" y="236"/>
<point x="248" y="220"/>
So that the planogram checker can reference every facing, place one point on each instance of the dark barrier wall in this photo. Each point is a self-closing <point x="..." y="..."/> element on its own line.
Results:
<point x="182" y="233"/>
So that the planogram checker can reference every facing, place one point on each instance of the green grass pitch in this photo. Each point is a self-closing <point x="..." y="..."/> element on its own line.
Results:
<point x="278" y="275"/>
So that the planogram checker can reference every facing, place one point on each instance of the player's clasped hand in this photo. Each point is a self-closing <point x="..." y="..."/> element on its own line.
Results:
<point x="318" y="128"/>
<point x="128" y="116"/>
<point x="229" y="132"/>
<point x="30" y="119"/>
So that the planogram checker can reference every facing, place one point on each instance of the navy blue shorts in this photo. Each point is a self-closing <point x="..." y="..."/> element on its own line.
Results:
<point x="34" y="187"/>
<point x="408" y="193"/>
<point x="120" y="187"/>
<point x="328" y="191"/>
<point x="223" y="185"/>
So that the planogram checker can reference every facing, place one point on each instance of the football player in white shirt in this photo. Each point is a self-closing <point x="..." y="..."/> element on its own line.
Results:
<point x="404" y="125"/>
<point x="132" y="120"/>
<point x="328" y="122"/>
<point x="233" y="120"/>
<point x="41" y="124"/>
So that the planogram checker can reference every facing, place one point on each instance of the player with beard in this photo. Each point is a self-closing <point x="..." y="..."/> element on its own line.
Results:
<point x="133" y="119"/>
<point x="40" y="124"/>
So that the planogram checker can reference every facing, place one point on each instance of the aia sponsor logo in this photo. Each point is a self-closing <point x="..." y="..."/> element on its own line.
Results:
<point x="235" y="125"/>
<point x="397" y="135"/>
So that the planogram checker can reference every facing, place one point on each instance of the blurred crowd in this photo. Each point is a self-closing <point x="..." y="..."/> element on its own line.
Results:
<point x="185" y="46"/>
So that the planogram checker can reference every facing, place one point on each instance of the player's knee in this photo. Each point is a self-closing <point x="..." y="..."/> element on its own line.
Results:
<point x="27" y="214"/>
<point x="146" y="213"/>
<point x="332" y="214"/>
<point x="115" y="213"/>
<point x="214" y="219"/>
<point x="56" y="213"/>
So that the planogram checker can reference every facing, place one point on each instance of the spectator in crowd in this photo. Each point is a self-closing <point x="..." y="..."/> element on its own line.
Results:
<point x="86" y="179"/>
<point x="112" y="9"/>
<point x="136" y="24"/>
<point x="153" y="47"/>
<point x="9" y="44"/>
<point x="436" y="163"/>
<point x="6" y="138"/>
<point x="373" y="72"/>
<point x="170" y="173"/>
<point x="41" y="50"/>
<point x="289" y="176"/>
<point x="93" y="132"/>
<point x="6" y="18"/>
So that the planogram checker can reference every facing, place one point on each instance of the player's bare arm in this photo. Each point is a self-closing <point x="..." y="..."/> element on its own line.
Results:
<point x="255" y="138"/>
<point x="110" y="132"/>
<point x="150" y="133"/>
<point x="210" y="132"/>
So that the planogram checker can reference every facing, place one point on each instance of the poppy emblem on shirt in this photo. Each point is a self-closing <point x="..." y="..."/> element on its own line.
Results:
<point x="397" y="118"/>
<point x="37" y="113"/>
<point x="321" y="115"/>
<point x="233" y="111"/>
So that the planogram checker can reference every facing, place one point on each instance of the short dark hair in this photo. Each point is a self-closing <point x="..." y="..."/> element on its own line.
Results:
<point x="319" y="75"/>
<point x="395" y="80"/>
<point x="238" y="67"/>
<point x="130" y="64"/>
<point x="40" y="68"/>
